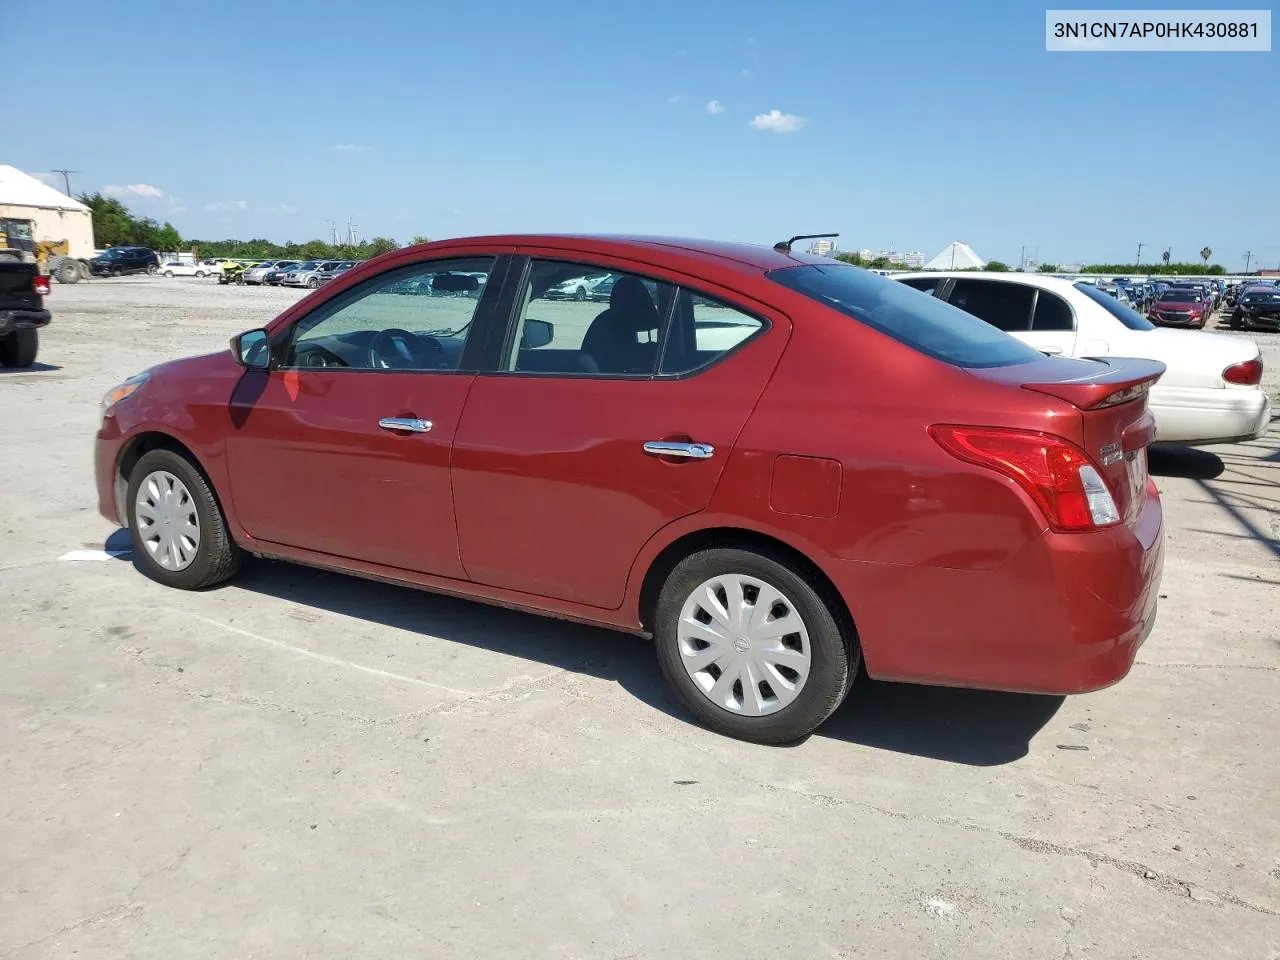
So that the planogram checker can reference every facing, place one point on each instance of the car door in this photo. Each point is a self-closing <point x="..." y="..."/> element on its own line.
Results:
<point x="601" y="423"/>
<point x="343" y="447"/>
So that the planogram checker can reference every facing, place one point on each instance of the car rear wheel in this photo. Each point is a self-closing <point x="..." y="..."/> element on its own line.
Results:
<point x="750" y="647"/>
<point x="200" y="274"/>
<point x="169" y="274"/>
<point x="152" y="269"/>
<point x="180" y="535"/>
<point x="19" y="348"/>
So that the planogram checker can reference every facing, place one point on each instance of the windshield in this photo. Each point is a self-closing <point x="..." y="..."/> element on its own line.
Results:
<point x="909" y="316"/>
<point x="1127" y="315"/>
<point x="1180" y="296"/>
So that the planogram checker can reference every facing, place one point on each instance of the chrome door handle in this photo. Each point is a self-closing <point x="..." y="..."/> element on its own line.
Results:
<point x="409" y="424"/>
<point x="690" y="451"/>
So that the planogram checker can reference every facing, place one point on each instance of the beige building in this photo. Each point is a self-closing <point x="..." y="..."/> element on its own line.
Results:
<point x="54" y="215"/>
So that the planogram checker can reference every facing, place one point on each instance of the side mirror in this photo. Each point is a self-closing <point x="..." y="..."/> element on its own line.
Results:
<point x="252" y="350"/>
<point x="536" y="333"/>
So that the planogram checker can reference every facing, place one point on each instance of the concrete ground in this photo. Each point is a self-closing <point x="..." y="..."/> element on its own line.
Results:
<point x="304" y="765"/>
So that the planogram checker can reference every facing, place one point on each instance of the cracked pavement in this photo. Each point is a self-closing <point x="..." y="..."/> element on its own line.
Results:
<point x="302" y="764"/>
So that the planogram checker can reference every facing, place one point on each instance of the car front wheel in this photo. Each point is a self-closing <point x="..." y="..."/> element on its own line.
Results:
<point x="180" y="535"/>
<point x="750" y="647"/>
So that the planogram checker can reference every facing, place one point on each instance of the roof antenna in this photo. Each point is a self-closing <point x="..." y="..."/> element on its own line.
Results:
<point x="784" y="246"/>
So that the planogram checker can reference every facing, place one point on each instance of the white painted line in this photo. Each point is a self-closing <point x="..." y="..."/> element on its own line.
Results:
<point x="81" y="555"/>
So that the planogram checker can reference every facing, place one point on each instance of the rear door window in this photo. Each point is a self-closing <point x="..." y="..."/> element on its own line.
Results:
<point x="1006" y="306"/>
<point x="924" y="284"/>
<point x="1052" y="313"/>
<point x="925" y="324"/>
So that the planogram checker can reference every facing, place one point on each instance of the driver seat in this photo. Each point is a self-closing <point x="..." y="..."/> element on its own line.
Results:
<point x="613" y="340"/>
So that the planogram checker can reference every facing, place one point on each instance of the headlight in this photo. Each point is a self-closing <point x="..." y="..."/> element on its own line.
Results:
<point x="124" y="390"/>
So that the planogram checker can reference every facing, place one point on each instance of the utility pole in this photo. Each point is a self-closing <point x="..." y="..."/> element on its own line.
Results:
<point x="1248" y="255"/>
<point x="1139" y="260"/>
<point x="1022" y="259"/>
<point x="66" y="179"/>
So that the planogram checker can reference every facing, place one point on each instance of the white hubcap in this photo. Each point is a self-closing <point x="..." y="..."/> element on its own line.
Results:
<point x="167" y="520"/>
<point x="743" y="643"/>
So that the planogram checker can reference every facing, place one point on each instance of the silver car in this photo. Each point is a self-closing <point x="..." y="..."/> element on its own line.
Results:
<point x="343" y="267"/>
<point x="313" y="277"/>
<point x="255" y="274"/>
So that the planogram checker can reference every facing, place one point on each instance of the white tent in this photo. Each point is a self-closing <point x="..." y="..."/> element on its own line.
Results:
<point x="17" y="189"/>
<point x="956" y="256"/>
<point x="55" y="216"/>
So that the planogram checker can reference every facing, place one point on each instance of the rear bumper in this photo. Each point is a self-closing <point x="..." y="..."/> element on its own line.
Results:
<point x="1066" y="615"/>
<point x="11" y="320"/>
<point x="1208" y="415"/>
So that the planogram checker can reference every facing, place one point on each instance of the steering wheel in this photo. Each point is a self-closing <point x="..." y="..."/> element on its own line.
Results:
<point x="397" y="349"/>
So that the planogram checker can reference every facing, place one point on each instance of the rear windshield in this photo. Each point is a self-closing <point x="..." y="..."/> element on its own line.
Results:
<point x="916" y="319"/>
<point x="1127" y="315"/>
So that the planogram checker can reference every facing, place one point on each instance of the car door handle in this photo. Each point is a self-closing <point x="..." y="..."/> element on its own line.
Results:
<point x="409" y="424"/>
<point x="689" y="451"/>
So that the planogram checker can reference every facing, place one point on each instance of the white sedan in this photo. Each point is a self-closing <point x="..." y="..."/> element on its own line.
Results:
<point x="176" y="268"/>
<point x="1210" y="392"/>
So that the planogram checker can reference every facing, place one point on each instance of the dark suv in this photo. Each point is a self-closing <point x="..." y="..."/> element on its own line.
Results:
<point x="118" y="261"/>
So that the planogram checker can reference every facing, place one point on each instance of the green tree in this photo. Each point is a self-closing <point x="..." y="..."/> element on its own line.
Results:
<point x="420" y="239"/>
<point x="1205" y="254"/>
<point x="1048" y="268"/>
<point x="997" y="266"/>
<point x="380" y="245"/>
<point x="1165" y="256"/>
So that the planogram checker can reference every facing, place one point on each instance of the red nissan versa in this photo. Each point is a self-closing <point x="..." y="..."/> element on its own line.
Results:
<point x="774" y="464"/>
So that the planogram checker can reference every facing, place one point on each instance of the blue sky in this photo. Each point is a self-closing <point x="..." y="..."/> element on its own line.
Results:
<point x="911" y="126"/>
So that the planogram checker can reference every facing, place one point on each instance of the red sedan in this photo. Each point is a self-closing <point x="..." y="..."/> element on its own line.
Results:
<point x="774" y="464"/>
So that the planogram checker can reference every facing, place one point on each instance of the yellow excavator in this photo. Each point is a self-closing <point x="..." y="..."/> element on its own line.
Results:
<point x="54" y="256"/>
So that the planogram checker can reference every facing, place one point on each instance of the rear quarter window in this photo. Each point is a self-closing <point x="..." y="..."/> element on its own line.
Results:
<point x="925" y="324"/>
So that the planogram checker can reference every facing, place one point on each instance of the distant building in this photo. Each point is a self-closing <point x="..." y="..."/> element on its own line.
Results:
<point x="823" y="248"/>
<point x="914" y="260"/>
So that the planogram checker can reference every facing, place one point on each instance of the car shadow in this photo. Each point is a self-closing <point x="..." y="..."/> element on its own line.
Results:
<point x="981" y="728"/>
<point x="36" y="367"/>
<point x="1188" y="462"/>
<point x="960" y="726"/>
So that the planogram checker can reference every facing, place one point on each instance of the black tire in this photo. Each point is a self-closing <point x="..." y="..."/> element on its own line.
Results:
<point x="67" y="271"/>
<point x="313" y="282"/>
<point x="200" y="274"/>
<point x="19" y="348"/>
<point x="217" y="556"/>
<point x="169" y="274"/>
<point x="152" y="269"/>
<point x="580" y="294"/>
<point x="834" y="648"/>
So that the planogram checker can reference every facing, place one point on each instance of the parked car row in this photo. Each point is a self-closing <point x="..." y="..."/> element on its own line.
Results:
<point x="295" y="273"/>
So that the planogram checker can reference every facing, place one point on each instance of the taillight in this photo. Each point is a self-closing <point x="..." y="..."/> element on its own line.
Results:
<point x="1055" y="473"/>
<point x="1247" y="374"/>
<point x="40" y="285"/>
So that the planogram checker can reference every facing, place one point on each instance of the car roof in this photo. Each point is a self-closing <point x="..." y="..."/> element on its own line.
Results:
<point x="746" y="255"/>
<point x="1043" y="281"/>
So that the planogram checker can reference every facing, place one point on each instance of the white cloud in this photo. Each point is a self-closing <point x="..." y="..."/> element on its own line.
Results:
<point x="350" y="147"/>
<point x="178" y="209"/>
<point x="715" y="106"/>
<point x="751" y="41"/>
<point x="222" y="206"/>
<point x="144" y="191"/>
<point x="745" y="71"/>
<point x="287" y="209"/>
<point x="778" y="122"/>
<point x="674" y="98"/>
